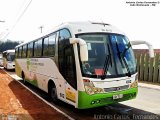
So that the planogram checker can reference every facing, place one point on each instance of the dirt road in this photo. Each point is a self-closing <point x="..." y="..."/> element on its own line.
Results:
<point x="19" y="103"/>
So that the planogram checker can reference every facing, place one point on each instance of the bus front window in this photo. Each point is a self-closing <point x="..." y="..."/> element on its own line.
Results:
<point x="109" y="55"/>
<point x="10" y="57"/>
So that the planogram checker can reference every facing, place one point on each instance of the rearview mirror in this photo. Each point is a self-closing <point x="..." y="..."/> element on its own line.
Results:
<point x="83" y="48"/>
<point x="150" y="47"/>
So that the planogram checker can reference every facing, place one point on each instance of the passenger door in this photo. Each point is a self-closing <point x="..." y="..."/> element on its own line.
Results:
<point x="67" y="68"/>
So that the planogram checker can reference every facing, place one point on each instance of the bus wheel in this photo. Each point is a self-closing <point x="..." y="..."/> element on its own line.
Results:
<point x="6" y="67"/>
<point x="23" y="78"/>
<point x="53" y="93"/>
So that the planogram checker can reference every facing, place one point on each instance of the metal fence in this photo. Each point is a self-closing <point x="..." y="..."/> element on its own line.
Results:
<point x="148" y="68"/>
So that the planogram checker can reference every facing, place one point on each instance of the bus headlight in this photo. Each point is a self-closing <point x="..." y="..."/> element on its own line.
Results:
<point x="134" y="84"/>
<point x="90" y="88"/>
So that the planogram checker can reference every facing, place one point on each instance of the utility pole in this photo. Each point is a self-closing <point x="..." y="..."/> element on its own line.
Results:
<point x="41" y="28"/>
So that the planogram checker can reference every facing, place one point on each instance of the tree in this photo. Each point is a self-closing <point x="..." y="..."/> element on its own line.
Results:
<point x="9" y="44"/>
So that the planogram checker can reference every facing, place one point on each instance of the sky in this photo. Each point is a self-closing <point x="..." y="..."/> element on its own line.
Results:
<point x="137" y="22"/>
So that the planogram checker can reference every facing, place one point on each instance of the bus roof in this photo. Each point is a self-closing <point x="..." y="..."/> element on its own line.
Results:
<point x="80" y="28"/>
<point x="9" y="51"/>
<point x="90" y="27"/>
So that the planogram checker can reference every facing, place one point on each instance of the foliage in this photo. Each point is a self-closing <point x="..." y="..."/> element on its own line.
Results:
<point x="6" y="45"/>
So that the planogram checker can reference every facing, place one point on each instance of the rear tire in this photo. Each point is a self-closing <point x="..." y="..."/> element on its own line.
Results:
<point x="23" y="78"/>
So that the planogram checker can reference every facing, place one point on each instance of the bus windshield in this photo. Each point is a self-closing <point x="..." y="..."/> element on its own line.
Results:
<point x="11" y="57"/>
<point x="109" y="55"/>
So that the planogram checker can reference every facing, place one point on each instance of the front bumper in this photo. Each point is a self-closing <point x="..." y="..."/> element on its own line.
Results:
<point x="89" y="101"/>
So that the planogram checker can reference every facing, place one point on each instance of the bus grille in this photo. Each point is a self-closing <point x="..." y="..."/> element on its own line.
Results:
<point x="116" y="88"/>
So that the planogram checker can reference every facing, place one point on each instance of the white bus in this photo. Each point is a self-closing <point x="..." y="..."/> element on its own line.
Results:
<point x="1" y="60"/>
<point x="84" y="64"/>
<point x="8" y="59"/>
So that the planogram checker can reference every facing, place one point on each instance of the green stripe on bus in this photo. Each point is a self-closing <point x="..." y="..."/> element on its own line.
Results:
<point x="96" y="100"/>
<point x="33" y="82"/>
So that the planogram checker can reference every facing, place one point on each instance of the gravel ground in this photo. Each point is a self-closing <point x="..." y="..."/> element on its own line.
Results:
<point x="18" y="103"/>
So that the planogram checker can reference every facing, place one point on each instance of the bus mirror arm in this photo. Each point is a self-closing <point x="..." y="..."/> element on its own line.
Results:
<point x="150" y="47"/>
<point x="83" y="48"/>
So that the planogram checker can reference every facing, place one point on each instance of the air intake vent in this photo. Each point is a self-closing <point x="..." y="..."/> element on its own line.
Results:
<point x="116" y="88"/>
<point x="100" y="23"/>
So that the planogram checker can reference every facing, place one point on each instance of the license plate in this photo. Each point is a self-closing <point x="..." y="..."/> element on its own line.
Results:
<point x="117" y="96"/>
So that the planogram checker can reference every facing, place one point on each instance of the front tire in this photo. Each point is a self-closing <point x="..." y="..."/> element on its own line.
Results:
<point x="6" y="67"/>
<point x="53" y="93"/>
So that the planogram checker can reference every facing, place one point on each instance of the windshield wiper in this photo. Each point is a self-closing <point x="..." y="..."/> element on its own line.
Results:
<point x="125" y="50"/>
<point x="122" y="59"/>
<point x="108" y="61"/>
<point x="119" y="54"/>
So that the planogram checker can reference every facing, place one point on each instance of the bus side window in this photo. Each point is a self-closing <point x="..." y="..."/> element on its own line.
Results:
<point x="35" y="48"/>
<point x="51" y="45"/>
<point x="30" y="50"/>
<point x="24" y="51"/>
<point x="38" y="48"/>
<point x="45" y="46"/>
<point x="66" y="58"/>
<point x="64" y="34"/>
<point x="17" y="50"/>
<point x="69" y="67"/>
<point x="20" y="52"/>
